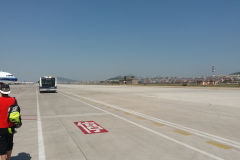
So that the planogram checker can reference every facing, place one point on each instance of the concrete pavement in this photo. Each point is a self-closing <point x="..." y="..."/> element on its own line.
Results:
<point x="142" y="123"/>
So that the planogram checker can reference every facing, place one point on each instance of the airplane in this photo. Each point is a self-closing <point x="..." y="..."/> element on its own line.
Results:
<point x="5" y="76"/>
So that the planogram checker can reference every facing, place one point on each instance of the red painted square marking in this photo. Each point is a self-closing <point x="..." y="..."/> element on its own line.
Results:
<point x="90" y="127"/>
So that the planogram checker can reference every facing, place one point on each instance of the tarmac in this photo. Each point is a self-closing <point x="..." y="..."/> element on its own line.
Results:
<point x="130" y="123"/>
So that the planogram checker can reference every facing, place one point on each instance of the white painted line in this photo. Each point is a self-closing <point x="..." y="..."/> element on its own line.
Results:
<point x="150" y="130"/>
<point x="193" y="131"/>
<point x="41" y="150"/>
<point x="84" y="127"/>
<point x="73" y="115"/>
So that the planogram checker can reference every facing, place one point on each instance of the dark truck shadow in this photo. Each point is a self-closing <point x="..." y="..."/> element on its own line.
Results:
<point x="21" y="156"/>
<point x="44" y="92"/>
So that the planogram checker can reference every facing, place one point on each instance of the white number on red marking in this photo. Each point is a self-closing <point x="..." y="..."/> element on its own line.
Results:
<point x="90" y="127"/>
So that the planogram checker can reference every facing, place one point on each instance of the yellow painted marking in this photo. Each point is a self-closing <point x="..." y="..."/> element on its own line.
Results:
<point x="220" y="145"/>
<point x="182" y="132"/>
<point x="138" y="117"/>
<point x="127" y="113"/>
<point x="158" y="124"/>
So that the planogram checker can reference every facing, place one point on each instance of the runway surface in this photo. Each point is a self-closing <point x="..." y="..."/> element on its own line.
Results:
<point x="139" y="123"/>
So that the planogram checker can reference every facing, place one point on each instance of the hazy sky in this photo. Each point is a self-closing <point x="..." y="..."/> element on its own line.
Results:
<point x="99" y="39"/>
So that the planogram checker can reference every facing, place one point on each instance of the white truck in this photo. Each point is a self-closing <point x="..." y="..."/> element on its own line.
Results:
<point x="48" y="84"/>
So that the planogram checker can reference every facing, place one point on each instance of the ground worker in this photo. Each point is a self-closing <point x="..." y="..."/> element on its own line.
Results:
<point x="6" y="127"/>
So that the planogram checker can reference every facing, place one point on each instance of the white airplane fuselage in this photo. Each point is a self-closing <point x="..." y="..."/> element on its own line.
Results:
<point x="5" y="76"/>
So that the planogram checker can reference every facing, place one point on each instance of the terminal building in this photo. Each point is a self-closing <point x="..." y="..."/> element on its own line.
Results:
<point x="130" y="80"/>
<point x="127" y="80"/>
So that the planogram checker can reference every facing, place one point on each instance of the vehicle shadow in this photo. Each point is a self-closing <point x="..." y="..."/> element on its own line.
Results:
<point x="48" y="92"/>
<point x="22" y="156"/>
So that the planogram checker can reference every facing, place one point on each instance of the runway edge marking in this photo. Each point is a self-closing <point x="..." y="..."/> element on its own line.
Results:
<point x="150" y="130"/>
<point x="174" y="125"/>
<point x="41" y="149"/>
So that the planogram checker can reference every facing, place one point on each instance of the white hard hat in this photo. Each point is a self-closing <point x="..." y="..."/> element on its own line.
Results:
<point x="4" y="88"/>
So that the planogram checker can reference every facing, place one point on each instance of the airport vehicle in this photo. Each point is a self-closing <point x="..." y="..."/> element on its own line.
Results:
<point x="48" y="84"/>
<point x="5" y="76"/>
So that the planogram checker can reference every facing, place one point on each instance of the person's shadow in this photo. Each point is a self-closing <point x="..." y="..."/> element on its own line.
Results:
<point x="21" y="156"/>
